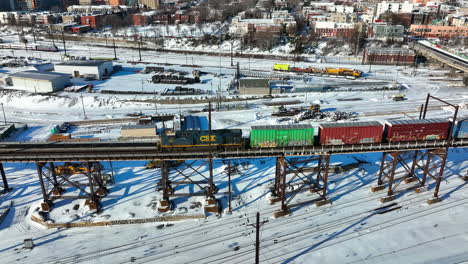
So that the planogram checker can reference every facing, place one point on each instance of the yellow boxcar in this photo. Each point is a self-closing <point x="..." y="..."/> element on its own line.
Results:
<point x="281" y="67"/>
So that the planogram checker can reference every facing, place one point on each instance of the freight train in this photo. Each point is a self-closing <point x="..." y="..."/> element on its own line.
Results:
<point x="361" y="132"/>
<point x="329" y="71"/>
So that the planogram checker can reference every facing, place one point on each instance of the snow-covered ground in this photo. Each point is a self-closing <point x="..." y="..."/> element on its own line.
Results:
<point x="348" y="231"/>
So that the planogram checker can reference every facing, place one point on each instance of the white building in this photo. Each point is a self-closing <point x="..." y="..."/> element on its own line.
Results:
<point x="241" y="26"/>
<point x="39" y="82"/>
<point x="78" y="68"/>
<point x="327" y="24"/>
<point x="385" y="6"/>
<point x="342" y="9"/>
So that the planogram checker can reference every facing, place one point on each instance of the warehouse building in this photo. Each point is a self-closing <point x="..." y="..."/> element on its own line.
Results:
<point x="39" y="82"/>
<point x="393" y="56"/>
<point x="138" y="131"/>
<point x="84" y="68"/>
<point x="254" y="86"/>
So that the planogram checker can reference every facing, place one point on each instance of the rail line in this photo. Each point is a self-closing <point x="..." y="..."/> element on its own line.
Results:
<point x="223" y="236"/>
<point x="292" y="237"/>
<point x="43" y="152"/>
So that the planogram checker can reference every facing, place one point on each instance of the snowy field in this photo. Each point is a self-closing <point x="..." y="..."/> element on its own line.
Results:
<point x="348" y="231"/>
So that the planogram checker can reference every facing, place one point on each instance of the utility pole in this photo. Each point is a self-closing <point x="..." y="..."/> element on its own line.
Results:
<point x="142" y="83"/>
<point x="155" y="102"/>
<point x="52" y="37"/>
<point x="115" y="51"/>
<point x="257" y="237"/>
<point x="64" y="45"/>
<point x="34" y="34"/>
<point x="232" y="63"/>
<point x="82" y="104"/>
<point x="4" y="116"/>
<point x="230" y="187"/>
<point x="139" y="48"/>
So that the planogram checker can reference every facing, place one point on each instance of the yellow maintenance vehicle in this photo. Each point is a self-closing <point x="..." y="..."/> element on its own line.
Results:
<point x="342" y="71"/>
<point x="315" y="108"/>
<point x="74" y="168"/>
<point x="152" y="164"/>
<point x="281" y="67"/>
<point x="398" y="97"/>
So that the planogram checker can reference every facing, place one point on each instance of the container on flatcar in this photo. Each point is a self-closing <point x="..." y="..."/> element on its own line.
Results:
<point x="350" y="133"/>
<point x="460" y="128"/>
<point x="416" y="130"/>
<point x="196" y="138"/>
<point x="281" y="136"/>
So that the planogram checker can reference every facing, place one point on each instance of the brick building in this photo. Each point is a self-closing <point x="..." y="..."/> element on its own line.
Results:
<point x="433" y="31"/>
<point x="93" y="21"/>
<point x="116" y="2"/>
<point x="394" y="56"/>
<point x="150" y="4"/>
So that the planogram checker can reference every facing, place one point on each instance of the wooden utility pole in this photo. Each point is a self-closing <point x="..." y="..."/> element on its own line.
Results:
<point x="257" y="237"/>
<point x="64" y="45"/>
<point x="139" y="48"/>
<point x="115" y="51"/>
<point x="230" y="188"/>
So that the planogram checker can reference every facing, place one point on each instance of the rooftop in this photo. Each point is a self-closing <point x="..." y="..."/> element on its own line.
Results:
<point x="389" y="51"/>
<point x="416" y="121"/>
<point x="38" y="75"/>
<point x="351" y="124"/>
<point x="84" y="62"/>
<point x="139" y="126"/>
<point x="282" y="127"/>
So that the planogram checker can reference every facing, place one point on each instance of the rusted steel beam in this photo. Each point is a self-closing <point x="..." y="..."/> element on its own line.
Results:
<point x="4" y="179"/>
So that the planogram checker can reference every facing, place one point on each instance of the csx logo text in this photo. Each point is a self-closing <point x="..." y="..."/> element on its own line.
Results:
<point x="207" y="138"/>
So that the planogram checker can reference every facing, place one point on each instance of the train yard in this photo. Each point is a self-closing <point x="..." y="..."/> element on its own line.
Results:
<point x="321" y="198"/>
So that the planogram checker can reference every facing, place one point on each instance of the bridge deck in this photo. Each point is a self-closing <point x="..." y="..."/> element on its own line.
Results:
<point x="45" y="152"/>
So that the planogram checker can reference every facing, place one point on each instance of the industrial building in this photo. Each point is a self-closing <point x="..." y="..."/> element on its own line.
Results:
<point x="393" y="56"/>
<point x="81" y="68"/>
<point x="138" y="131"/>
<point x="39" y="82"/>
<point x="254" y="86"/>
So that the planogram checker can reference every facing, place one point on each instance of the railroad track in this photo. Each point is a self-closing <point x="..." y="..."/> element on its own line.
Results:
<point x="225" y="232"/>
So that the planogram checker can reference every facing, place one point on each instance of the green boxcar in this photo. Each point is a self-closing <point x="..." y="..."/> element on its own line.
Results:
<point x="281" y="136"/>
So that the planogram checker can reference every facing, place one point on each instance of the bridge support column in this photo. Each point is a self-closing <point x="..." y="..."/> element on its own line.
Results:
<point x="4" y="179"/>
<point x="46" y="205"/>
<point x="92" y="200"/>
<point x="188" y="174"/>
<point x="59" y="178"/>
<point x="309" y="174"/>
<point x="211" y="204"/>
<point x="57" y="190"/>
<point x="423" y="164"/>
<point x="465" y="79"/>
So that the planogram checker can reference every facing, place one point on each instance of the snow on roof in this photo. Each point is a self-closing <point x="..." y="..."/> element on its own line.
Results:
<point x="389" y="51"/>
<point x="38" y="75"/>
<point x="139" y="126"/>
<point x="84" y="62"/>
<point x="351" y="124"/>
<point x="302" y="126"/>
<point x="416" y="121"/>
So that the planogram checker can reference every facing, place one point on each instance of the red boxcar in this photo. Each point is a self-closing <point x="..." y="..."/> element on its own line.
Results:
<point x="416" y="130"/>
<point x="350" y="133"/>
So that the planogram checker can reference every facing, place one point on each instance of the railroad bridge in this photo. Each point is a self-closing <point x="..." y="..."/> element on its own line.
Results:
<point x="445" y="58"/>
<point x="304" y="168"/>
<point x="307" y="168"/>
